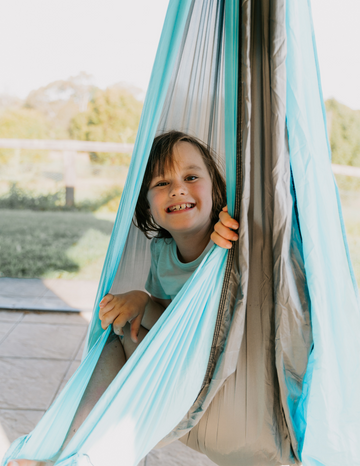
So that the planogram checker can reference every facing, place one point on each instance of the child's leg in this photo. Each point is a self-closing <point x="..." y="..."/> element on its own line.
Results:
<point x="127" y="343"/>
<point x="113" y="357"/>
<point x="111" y="360"/>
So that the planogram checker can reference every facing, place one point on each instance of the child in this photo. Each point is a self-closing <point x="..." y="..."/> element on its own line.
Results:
<point x="180" y="201"/>
<point x="180" y="206"/>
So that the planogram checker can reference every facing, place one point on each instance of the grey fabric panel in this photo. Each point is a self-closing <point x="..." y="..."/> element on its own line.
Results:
<point x="251" y="428"/>
<point x="243" y="416"/>
<point x="135" y="263"/>
<point x="195" y="100"/>
<point x="237" y="292"/>
<point x="293" y="334"/>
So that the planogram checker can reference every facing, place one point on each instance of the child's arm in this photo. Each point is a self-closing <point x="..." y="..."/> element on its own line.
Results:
<point x="135" y="307"/>
<point x="223" y="232"/>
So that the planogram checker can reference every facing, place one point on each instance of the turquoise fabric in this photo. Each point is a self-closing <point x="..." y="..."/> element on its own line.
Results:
<point x="152" y="393"/>
<point x="165" y="59"/>
<point x="231" y="96"/>
<point x="167" y="274"/>
<point x="330" y="406"/>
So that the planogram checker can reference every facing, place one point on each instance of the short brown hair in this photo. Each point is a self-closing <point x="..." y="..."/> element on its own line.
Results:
<point x="161" y="158"/>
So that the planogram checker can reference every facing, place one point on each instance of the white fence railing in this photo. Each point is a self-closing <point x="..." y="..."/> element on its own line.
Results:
<point x="69" y="149"/>
<point x="346" y="170"/>
<point x="66" y="145"/>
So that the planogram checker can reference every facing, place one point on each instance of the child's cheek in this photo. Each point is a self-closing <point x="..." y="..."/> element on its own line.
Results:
<point x="155" y="202"/>
<point x="204" y="194"/>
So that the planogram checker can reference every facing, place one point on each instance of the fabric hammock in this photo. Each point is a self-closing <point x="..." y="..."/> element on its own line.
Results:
<point x="255" y="362"/>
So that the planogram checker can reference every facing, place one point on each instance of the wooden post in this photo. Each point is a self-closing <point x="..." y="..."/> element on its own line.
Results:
<point x="70" y="176"/>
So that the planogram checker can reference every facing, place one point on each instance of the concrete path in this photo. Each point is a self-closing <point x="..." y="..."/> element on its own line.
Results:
<point x="39" y="351"/>
<point x="47" y="295"/>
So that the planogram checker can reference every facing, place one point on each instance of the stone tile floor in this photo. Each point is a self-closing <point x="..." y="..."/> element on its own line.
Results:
<point x="39" y="351"/>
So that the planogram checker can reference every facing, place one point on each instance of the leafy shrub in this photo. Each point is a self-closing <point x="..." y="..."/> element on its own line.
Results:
<point x="344" y="133"/>
<point x="34" y="244"/>
<point x="18" y="198"/>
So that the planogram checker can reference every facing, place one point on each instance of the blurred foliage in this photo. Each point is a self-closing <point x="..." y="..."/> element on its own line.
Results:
<point x="344" y="130"/>
<point x="34" y="244"/>
<point x="73" y="109"/>
<point x="70" y="109"/>
<point x="110" y="207"/>
<point x="23" y="123"/>
<point x="10" y="102"/>
<point x="60" y="101"/>
<point x="113" y="115"/>
<point x="348" y="183"/>
<point x="18" y="198"/>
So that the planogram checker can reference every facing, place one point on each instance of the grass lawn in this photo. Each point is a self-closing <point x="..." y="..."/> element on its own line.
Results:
<point x="52" y="244"/>
<point x="73" y="245"/>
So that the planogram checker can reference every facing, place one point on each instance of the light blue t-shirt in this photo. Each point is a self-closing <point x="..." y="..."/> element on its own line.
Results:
<point x="167" y="274"/>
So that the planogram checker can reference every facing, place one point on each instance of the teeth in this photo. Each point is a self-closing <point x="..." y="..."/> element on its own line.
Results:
<point x="180" y="207"/>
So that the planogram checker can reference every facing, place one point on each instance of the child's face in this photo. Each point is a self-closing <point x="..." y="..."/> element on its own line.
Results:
<point x="181" y="200"/>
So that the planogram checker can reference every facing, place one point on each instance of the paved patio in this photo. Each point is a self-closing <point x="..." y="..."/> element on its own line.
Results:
<point x="39" y="351"/>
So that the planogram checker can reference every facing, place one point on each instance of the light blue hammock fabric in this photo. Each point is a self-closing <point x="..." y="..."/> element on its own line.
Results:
<point x="330" y="417"/>
<point x="157" y="386"/>
<point x="152" y="393"/>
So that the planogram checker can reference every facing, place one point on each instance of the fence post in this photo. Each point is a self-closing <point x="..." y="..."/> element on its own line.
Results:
<point x="70" y="176"/>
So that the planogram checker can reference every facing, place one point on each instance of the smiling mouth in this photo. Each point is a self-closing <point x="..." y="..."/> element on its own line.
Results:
<point x="178" y="207"/>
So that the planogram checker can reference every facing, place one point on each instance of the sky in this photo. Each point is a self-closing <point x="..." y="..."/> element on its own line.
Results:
<point x="116" y="41"/>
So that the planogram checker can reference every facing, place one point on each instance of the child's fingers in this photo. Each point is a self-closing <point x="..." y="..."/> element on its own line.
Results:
<point x="120" y="322"/>
<point x="108" y="314"/>
<point x="106" y="309"/>
<point x="220" y="241"/>
<point x="135" y="327"/>
<point x="225" y="232"/>
<point x="225" y="209"/>
<point x="228" y="221"/>
<point x="106" y="299"/>
<point x="107" y="319"/>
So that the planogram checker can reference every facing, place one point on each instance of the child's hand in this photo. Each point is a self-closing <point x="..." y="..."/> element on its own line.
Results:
<point x="122" y="308"/>
<point x="223" y="232"/>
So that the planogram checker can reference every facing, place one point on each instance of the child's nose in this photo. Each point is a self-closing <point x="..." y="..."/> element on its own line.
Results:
<point x="178" y="189"/>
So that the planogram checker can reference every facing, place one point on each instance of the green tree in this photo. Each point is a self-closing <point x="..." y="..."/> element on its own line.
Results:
<point x="113" y="115"/>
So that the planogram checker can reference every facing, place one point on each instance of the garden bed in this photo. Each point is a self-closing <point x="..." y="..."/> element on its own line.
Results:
<point x="52" y="244"/>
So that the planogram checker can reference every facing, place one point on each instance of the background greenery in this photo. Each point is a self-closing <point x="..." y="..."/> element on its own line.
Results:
<point x="40" y="237"/>
<point x="18" y="198"/>
<point x="72" y="109"/>
<point x="344" y="133"/>
<point x="52" y="244"/>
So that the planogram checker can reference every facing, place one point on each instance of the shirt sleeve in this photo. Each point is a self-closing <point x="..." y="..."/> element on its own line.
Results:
<point x="153" y="285"/>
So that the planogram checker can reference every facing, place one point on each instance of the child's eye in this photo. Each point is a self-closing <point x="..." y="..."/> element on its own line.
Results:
<point x="161" y="183"/>
<point x="191" y="178"/>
